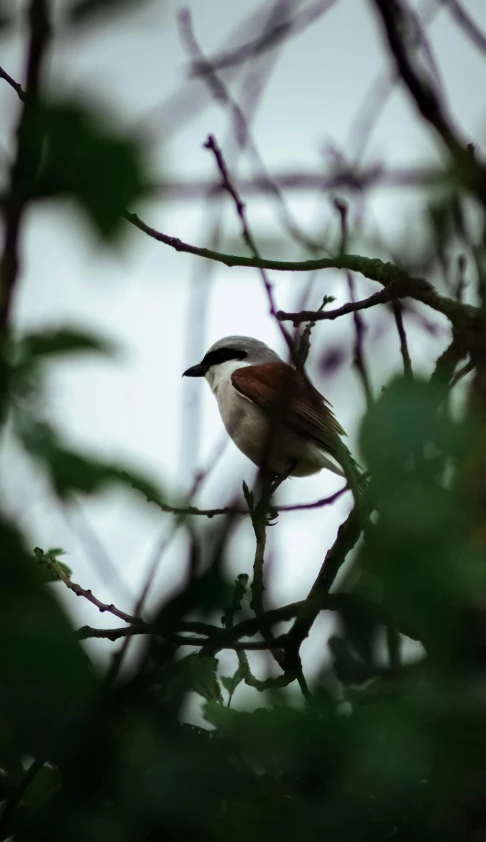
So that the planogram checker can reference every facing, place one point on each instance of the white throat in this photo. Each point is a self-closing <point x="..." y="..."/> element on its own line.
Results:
<point x="220" y="374"/>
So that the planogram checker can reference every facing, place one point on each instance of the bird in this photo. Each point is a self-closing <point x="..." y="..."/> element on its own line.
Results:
<point x="272" y="412"/>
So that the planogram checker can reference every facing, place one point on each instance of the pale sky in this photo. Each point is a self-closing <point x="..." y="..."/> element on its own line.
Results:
<point x="138" y="408"/>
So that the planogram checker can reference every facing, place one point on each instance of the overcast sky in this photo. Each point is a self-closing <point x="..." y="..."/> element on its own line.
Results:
<point x="164" y="308"/>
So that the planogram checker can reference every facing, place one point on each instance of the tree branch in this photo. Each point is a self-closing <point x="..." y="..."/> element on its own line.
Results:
<point x="395" y="23"/>
<point x="248" y="237"/>
<point x="86" y="593"/>
<point x="382" y="297"/>
<point x="13" y="84"/>
<point x="461" y="315"/>
<point x="347" y="536"/>
<point x="17" y="196"/>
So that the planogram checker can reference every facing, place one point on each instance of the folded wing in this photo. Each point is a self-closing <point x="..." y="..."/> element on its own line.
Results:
<point x="286" y="395"/>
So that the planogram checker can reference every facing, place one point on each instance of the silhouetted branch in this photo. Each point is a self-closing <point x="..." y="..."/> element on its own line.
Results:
<point x="359" y="328"/>
<point x="382" y="297"/>
<point x="348" y="534"/>
<point x="234" y="510"/>
<point x="407" y="362"/>
<point x="87" y="632"/>
<point x="13" y="84"/>
<point x="248" y="236"/>
<point x="85" y="593"/>
<point x="468" y="26"/>
<point x="267" y="41"/>
<point x="349" y="178"/>
<point x="28" y="147"/>
<point x="387" y="274"/>
<point x="243" y="135"/>
<point x="396" y="25"/>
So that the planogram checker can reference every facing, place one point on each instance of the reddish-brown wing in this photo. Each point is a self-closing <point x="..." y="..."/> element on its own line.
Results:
<point x="278" y="388"/>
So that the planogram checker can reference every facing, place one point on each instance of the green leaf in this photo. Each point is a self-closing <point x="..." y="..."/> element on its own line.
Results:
<point x="46" y="678"/>
<point x="218" y="715"/>
<point x="202" y="676"/>
<point x="85" y="158"/>
<point x="47" y="569"/>
<point x="58" y="342"/>
<point x="74" y="472"/>
<point x="231" y="682"/>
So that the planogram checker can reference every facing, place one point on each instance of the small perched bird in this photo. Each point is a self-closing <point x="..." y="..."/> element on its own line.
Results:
<point x="272" y="412"/>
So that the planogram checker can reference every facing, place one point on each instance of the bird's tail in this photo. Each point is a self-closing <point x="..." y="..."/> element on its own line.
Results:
<point x="358" y="481"/>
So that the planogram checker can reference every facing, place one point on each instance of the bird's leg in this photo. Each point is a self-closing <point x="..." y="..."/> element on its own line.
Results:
<point x="274" y="482"/>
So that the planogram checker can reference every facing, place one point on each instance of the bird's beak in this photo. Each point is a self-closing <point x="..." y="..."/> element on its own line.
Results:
<point x="198" y="370"/>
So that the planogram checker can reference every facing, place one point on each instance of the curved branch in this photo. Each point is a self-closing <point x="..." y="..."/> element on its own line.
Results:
<point x="461" y="315"/>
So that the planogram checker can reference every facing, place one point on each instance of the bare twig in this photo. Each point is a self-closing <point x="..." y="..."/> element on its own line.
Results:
<point x="446" y="363"/>
<point x="127" y="632"/>
<point x="467" y="24"/>
<point x="351" y="178"/>
<point x="407" y="362"/>
<point x="86" y="593"/>
<point x="13" y="84"/>
<point x="243" y="135"/>
<point x="382" y="297"/>
<point x="267" y="41"/>
<point x="466" y="369"/>
<point x="248" y="237"/>
<point x="359" y="328"/>
<point x="235" y="510"/>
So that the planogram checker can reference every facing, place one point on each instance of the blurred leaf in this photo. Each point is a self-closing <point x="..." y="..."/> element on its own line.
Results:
<point x="42" y="787"/>
<point x="399" y="428"/>
<point x="47" y="571"/>
<point x="85" y="158"/>
<point x="58" y="342"/>
<point x="36" y="641"/>
<point x="201" y="671"/>
<point x="83" y="11"/>
<point x="73" y="472"/>
<point x="231" y="682"/>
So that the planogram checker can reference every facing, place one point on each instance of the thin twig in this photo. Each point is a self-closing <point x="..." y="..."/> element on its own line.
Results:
<point x="382" y="297"/>
<point x="127" y="632"/>
<point x="235" y="510"/>
<point x="395" y="22"/>
<point x="242" y="133"/>
<point x="86" y="593"/>
<point x="248" y="237"/>
<point x="466" y="369"/>
<point x="359" y="328"/>
<point x="467" y="24"/>
<point x="351" y="178"/>
<point x="407" y="362"/>
<point x="13" y="84"/>
<point x="268" y="40"/>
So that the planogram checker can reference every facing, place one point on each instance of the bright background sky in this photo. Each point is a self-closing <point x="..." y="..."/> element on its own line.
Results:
<point x="164" y="308"/>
